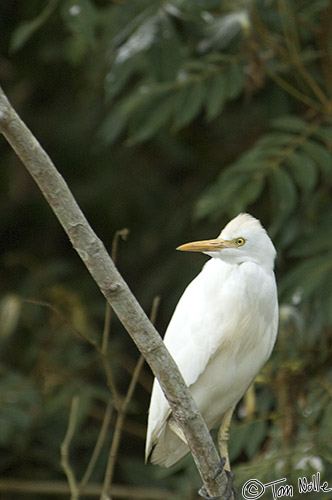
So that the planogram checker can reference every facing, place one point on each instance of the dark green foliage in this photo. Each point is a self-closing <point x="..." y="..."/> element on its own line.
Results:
<point x="167" y="118"/>
<point x="288" y="161"/>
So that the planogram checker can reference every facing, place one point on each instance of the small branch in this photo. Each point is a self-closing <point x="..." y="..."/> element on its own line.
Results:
<point x="293" y="58"/>
<point x="102" y="269"/>
<point x="98" y="446"/>
<point x="121" y="233"/>
<point x="288" y="26"/>
<point x="118" y="431"/>
<point x="83" y="336"/>
<point x="110" y="379"/>
<point x="294" y="92"/>
<point x="91" y="490"/>
<point x="323" y="39"/>
<point x="107" y="328"/>
<point x="65" y="464"/>
<point x="109" y="473"/>
<point x="154" y="309"/>
<point x="122" y="413"/>
<point x="317" y="91"/>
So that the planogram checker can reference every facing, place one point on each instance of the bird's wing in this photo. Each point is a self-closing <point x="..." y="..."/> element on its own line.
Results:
<point x="191" y="337"/>
<point x="158" y="413"/>
<point x="199" y="323"/>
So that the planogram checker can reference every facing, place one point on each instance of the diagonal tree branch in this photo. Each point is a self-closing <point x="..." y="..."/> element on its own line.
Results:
<point x="101" y="267"/>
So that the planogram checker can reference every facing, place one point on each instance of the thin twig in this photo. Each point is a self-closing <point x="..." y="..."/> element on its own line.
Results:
<point x="294" y="60"/>
<point x="64" y="319"/>
<point x="110" y="379"/>
<point x="64" y="449"/>
<point x="107" y="328"/>
<point x="145" y="377"/>
<point x="121" y="233"/>
<point x="109" y="474"/>
<point x="83" y="336"/>
<point x="288" y="26"/>
<point x="323" y="40"/>
<point x="98" y="446"/>
<point x="45" y="488"/>
<point x="154" y="309"/>
<point x="293" y="91"/>
<point x="122" y="413"/>
<point x="294" y="56"/>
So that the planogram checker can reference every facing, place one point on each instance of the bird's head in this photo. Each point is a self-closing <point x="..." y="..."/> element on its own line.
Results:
<point x="243" y="239"/>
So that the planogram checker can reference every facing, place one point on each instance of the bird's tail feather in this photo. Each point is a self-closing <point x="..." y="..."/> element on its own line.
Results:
<point x="169" y="449"/>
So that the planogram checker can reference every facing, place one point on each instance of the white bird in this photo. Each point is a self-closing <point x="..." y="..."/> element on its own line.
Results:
<point x="222" y="332"/>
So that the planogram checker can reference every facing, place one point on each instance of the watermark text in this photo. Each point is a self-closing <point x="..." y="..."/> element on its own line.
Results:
<point x="254" y="489"/>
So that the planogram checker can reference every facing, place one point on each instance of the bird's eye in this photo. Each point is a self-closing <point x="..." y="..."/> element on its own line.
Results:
<point x="240" y="242"/>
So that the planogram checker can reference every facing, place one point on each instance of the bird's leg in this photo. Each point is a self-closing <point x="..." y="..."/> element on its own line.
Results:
<point x="223" y="437"/>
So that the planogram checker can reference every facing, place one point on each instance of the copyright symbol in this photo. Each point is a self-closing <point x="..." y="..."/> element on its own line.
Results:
<point x="252" y="489"/>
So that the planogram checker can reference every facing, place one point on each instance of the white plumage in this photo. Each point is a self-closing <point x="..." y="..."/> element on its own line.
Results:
<point x="222" y="331"/>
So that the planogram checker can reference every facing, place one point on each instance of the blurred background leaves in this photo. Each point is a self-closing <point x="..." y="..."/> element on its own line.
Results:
<point x="167" y="118"/>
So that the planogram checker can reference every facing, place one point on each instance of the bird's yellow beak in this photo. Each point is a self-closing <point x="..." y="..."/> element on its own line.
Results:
<point x="206" y="245"/>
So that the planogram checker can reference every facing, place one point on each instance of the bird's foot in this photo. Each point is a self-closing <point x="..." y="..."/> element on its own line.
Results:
<point x="231" y="488"/>
<point x="202" y="493"/>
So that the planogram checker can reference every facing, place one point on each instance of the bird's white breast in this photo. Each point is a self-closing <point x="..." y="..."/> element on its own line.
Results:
<point x="221" y="333"/>
<point x="241" y="329"/>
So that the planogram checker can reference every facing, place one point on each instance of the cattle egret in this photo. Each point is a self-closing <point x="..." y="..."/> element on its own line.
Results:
<point x="222" y="332"/>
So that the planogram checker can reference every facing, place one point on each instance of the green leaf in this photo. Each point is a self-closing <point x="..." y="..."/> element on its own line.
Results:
<point x="324" y="134"/>
<point x="316" y="241"/>
<point x="189" y="103"/>
<point x="113" y="124"/>
<point x="254" y="162"/>
<point x="255" y="438"/>
<point x="325" y="297"/>
<point x="165" y="53"/>
<point x="149" y="120"/>
<point x="120" y="74"/>
<point x="235" y="80"/>
<point x="27" y="29"/>
<point x="237" y="440"/>
<point x="232" y="192"/>
<point x="303" y="169"/>
<point x="248" y="193"/>
<point x="221" y="194"/>
<point x="140" y="40"/>
<point x="80" y="17"/>
<point x="308" y="276"/>
<point x="283" y="195"/>
<point x="216" y="95"/>
<point x="290" y="123"/>
<point x="7" y="429"/>
<point x="320" y="154"/>
<point x="272" y="143"/>
<point x="118" y="117"/>
<point x="237" y="187"/>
